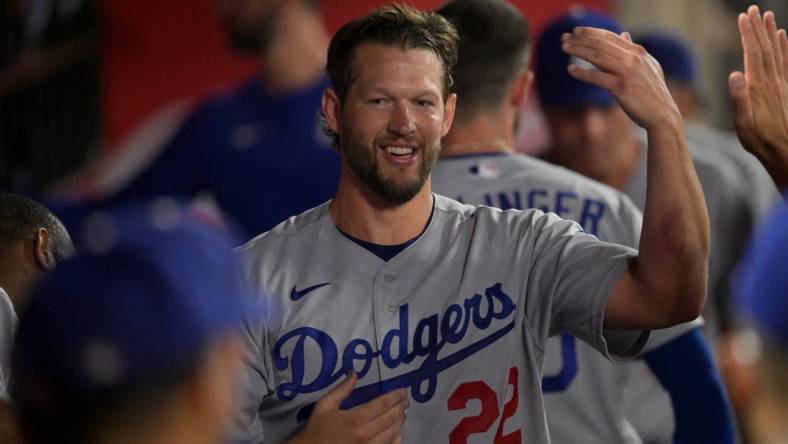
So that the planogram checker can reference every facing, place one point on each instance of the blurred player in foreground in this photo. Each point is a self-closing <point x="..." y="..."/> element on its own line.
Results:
<point x="32" y="241"/>
<point x="134" y="339"/>
<point x="583" y="391"/>
<point x="454" y="302"/>
<point x="762" y="291"/>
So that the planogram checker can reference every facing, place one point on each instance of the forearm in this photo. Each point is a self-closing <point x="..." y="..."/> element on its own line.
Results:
<point x="674" y="247"/>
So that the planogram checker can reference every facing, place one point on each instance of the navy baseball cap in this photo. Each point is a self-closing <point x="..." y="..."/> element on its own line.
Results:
<point x="138" y="307"/>
<point x="673" y="54"/>
<point x="761" y="284"/>
<point x="553" y="83"/>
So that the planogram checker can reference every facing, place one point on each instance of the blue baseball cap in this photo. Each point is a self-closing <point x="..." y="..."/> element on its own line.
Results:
<point x="761" y="284"/>
<point x="137" y="307"/>
<point x="553" y="83"/>
<point x="673" y="54"/>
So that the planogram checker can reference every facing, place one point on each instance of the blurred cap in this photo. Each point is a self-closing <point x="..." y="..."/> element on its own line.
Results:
<point x="553" y="83"/>
<point x="137" y="307"/>
<point x="761" y="284"/>
<point x="673" y="54"/>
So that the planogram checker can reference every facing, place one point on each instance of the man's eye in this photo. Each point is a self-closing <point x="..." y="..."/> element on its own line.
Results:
<point x="424" y="103"/>
<point x="377" y="101"/>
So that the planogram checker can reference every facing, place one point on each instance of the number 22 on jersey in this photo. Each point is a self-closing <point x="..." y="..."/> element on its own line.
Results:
<point x="482" y="422"/>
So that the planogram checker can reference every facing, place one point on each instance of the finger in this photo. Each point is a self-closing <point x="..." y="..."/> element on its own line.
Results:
<point x="380" y="405"/>
<point x="398" y="439"/>
<point x="334" y="398"/>
<point x="759" y="30"/>
<point x="742" y="109"/>
<point x="599" y="33"/>
<point x="774" y="42"/>
<point x="391" y="431"/>
<point x="602" y="55"/>
<point x="783" y="38"/>
<point x="601" y="79"/>
<point x="753" y="65"/>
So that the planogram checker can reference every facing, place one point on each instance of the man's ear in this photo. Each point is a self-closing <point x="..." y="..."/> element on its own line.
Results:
<point x="448" y="113"/>
<point x="41" y="252"/>
<point x="332" y="110"/>
<point x="521" y="86"/>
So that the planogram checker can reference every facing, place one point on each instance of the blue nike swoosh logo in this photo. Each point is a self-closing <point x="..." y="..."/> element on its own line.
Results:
<point x="298" y="294"/>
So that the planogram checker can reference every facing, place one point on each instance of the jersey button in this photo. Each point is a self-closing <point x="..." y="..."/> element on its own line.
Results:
<point x="389" y="277"/>
<point x="392" y="307"/>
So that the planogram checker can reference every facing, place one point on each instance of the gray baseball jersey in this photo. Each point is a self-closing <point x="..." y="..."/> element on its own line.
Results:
<point x="762" y="193"/>
<point x="460" y="318"/>
<point x="8" y="321"/>
<point x="583" y="392"/>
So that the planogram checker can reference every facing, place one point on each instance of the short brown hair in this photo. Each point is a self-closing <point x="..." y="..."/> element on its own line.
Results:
<point x="399" y="25"/>
<point x="494" y="48"/>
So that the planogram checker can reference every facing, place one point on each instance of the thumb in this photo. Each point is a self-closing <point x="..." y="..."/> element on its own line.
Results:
<point x="335" y="397"/>
<point x="742" y="107"/>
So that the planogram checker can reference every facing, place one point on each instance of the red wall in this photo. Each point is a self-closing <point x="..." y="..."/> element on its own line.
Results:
<point x="155" y="52"/>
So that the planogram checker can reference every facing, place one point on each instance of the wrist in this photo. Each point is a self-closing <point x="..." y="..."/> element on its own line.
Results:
<point x="672" y="128"/>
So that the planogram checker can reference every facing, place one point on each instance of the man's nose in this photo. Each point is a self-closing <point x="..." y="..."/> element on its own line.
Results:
<point x="401" y="121"/>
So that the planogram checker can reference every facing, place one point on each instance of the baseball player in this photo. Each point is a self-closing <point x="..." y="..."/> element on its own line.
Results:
<point x="135" y="338"/>
<point x="583" y="392"/>
<point x="593" y="136"/>
<point x="258" y="149"/>
<point x="32" y="241"/>
<point x="453" y="303"/>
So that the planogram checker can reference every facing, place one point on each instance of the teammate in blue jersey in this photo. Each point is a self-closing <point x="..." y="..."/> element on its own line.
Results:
<point x="583" y="392"/>
<point x="258" y="150"/>
<point x="451" y="303"/>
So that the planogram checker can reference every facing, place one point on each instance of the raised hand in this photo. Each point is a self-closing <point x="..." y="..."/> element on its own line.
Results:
<point x="760" y="94"/>
<point x="626" y="70"/>
<point x="377" y="422"/>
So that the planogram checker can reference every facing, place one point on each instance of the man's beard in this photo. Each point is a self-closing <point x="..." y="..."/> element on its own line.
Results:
<point x="366" y="167"/>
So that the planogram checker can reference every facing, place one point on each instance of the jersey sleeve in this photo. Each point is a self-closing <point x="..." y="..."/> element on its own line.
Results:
<point x="663" y="336"/>
<point x="252" y="385"/>
<point x="253" y="381"/>
<point x="571" y="277"/>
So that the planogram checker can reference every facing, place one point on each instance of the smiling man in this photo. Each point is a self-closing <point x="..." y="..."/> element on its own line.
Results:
<point x="448" y="303"/>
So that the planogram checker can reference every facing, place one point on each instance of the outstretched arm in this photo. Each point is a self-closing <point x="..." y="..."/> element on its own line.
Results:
<point x="667" y="284"/>
<point x="760" y="94"/>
